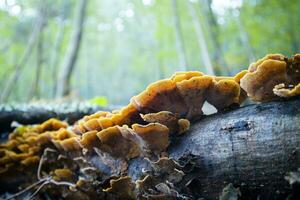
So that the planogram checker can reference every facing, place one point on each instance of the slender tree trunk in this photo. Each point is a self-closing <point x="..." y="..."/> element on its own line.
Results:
<point x="56" y="56"/>
<point x="245" y="38"/>
<point x="13" y="79"/>
<point x="201" y="41"/>
<point x="63" y="86"/>
<point x="179" y="37"/>
<point x="35" y="88"/>
<point x="214" y="31"/>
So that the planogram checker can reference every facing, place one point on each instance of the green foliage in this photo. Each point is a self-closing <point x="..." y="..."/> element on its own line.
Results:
<point x="128" y="44"/>
<point x="99" y="101"/>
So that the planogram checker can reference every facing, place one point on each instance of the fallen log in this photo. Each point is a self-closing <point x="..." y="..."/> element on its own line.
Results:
<point x="38" y="113"/>
<point x="252" y="147"/>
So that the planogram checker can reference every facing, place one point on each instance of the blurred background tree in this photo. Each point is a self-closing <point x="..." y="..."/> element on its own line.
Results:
<point x="107" y="51"/>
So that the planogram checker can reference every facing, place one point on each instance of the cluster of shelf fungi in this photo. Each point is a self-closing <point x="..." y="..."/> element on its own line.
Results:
<point x="159" y="145"/>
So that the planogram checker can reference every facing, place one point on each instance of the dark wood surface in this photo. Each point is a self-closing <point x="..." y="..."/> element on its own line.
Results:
<point x="38" y="113"/>
<point x="252" y="147"/>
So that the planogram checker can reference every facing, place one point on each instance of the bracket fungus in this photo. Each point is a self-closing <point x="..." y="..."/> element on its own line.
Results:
<point x="113" y="142"/>
<point x="153" y="137"/>
<point x="286" y="91"/>
<point x="158" y="96"/>
<point x="123" y="187"/>
<point x="274" y="71"/>
<point x="170" y="120"/>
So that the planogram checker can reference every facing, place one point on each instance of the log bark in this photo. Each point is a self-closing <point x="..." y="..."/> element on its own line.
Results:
<point x="38" y="113"/>
<point x="252" y="147"/>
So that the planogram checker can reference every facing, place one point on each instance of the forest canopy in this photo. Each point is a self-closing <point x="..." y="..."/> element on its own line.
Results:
<point x="107" y="51"/>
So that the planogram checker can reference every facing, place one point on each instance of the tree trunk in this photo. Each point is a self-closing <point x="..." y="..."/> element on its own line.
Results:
<point x="56" y="56"/>
<point x="35" y="88"/>
<point x="214" y="31"/>
<point x="201" y="41"/>
<point x="245" y="39"/>
<point x="179" y="37"/>
<point x="13" y="79"/>
<point x="63" y="86"/>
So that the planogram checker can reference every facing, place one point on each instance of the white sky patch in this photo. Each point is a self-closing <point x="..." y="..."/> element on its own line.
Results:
<point x="118" y="23"/>
<point x="220" y="6"/>
<point x="15" y="10"/>
<point x="129" y="13"/>
<point x="11" y="6"/>
<point x="147" y="2"/>
<point x="2" y="5"/>
<point x="11" y="2"/>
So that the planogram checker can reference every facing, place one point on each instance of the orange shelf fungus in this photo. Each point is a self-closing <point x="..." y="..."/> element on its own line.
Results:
<point x="90" y="140"/>
<point x="153" y="137"/>
<point x="224" y="93"/>
<point x="30" y="160"/>
<point x="193" y="91"/>
<point x="185" y="93"/>
<point x="286" y="91"/>
<point x="96" y="115"/>
<point x="50" y="125"/>
<point x="161" y="95"/>
<point x="268" y="72"/>
<point x="170" y="120"/>
<point x="113" y="142"/>
<point x="63" y="174"/>
<point x="122" y="186"/>
<point x="180" y="76"/>
<point x="102" y="120"/>
<point x="69" y="144"/>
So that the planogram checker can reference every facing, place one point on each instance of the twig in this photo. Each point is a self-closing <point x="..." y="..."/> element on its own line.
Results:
<point x="41" y="162"/>
<point x="39" y="188"/>
<point x="62" y="183"/>
<point x="43" y="181"/>
<point x="26" y="189"/>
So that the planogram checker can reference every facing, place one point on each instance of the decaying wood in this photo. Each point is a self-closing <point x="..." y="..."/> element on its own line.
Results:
<point x="252" y="147"/>
<point x="38" y="113"/>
